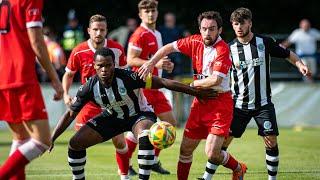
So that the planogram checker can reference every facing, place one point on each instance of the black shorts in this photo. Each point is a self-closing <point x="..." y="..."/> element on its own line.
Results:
<point x="109" y="126"/>
<point x="264" y="116"/>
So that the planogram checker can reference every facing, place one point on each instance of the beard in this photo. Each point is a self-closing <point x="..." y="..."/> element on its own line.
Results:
<point x="209" y="41"/>
<point x="245" y="33"/>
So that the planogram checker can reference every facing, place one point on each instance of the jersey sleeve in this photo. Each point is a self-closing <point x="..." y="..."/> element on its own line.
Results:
<point x="83" y="96"/>
<point x="73" y="64"/>
<point x="184" y="46"/>
<point x="222" y="64"/>
<point x="136" y="42"/>
<point x="134" y="81"/>
<point x="276" y="50"/>
<point x="33" y="13"/>
<point x="122" y="58"/>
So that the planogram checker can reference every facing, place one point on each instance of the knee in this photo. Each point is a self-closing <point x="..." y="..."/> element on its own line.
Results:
<point x="75" y="144"/>
<point x="119" y="142"/>
<point x="270" y="142"/>
<point x="214" y="156"/>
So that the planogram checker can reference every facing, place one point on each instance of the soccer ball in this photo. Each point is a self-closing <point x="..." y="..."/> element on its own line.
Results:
<point x="162" y="134"/>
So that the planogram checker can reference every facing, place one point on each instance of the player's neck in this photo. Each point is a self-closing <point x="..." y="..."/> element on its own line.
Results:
<point x="97" y="46"/>
<point x="150" y="26"/>
<point x="245" y="39"/>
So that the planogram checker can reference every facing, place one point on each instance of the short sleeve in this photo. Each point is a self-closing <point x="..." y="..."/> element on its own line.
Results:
<point x="122" y="58"/>
<point x="134" y="81"/>
<point x="73" y="62"/>
<point x="275" y="49"/>
<point x="33" y="13"/>
<point x="136" y="42"/>
<point x="184" y="46"/>
<point x="83" y="96"/>
<point x="222" y="64"/>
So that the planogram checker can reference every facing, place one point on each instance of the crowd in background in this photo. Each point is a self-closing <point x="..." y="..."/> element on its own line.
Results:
<point x="60" y="44"/>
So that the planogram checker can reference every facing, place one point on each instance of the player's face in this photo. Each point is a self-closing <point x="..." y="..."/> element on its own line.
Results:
<point x="209" y="31"/>
<point x="242" y="29"/>
<point x="104" y="67"/>
<point x="97" y="32"/>
<point x="148" y="16"/>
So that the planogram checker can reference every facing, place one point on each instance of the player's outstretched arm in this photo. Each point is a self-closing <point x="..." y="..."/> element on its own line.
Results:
<point x="295" y="60"/>
<point x="39" y="47"/>
<point x="173" y="85"/>
<point x="148" y="66"/>
<point x="62" y="125"/>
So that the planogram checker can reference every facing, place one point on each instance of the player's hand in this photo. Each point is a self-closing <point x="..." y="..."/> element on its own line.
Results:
<point x="145" y="69"/>
<point x="206" y="93"/>
<point x="67" y="99"/>
<point x="57" y="86"/>
<point x="164" y="63"/>
<point x="304" y="70"/>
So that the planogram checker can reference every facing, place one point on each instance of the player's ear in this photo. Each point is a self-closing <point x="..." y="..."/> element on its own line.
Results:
<point x="88" y="29"/>
<point x="220" y="30"/>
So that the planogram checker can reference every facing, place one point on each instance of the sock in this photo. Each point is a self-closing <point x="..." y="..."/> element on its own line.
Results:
<point x="131" y="143"/>
<point x="210" y="170"/>
<point x="123" y="160"/>
<point x="272" y="161"/>
<point x="21" y="157"/>
<point x="156" y="155"/>
<point x="145" y="155"/>
<point x="20" y="175"/>
<point x="229" y="161"/>
<point x="77" y="161"/>
<point x="184" y="165"/>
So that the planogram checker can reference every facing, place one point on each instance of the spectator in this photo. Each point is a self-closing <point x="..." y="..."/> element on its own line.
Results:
<point x="171" y="32"/>
<point x="305" y="39"/>
<point x="123" y="33"/>
<point x="73" y="33"/>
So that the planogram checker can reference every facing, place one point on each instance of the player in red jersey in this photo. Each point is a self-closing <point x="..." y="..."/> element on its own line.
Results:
<point x="21" y="103"/>
<point x="81" y="59"/>
<point x="143" y="44"/>
<point x="211" y="119"/>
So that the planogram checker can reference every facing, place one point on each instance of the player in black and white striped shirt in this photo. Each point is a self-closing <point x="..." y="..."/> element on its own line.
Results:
<point x="250" y="83"/>
<point x="124" y="108"/>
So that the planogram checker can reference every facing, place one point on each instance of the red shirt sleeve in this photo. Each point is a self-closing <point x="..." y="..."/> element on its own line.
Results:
<point x="73" y="62"/>
<point x="136" y="42"/>
<point x="222" y="63"/>
<point x="122" y="58"/>
<point x="184" y="45"/>
<point x="33" y="13"/>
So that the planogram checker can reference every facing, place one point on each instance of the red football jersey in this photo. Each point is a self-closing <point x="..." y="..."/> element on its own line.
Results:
<point x="148" y="42"/>
<point x="81" y="58"/>
<point x="207" y="61"/>
<point x="17" y="58"/>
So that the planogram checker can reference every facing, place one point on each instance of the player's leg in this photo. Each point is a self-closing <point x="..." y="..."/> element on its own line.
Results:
<point x="131" y="142"/>
<point x="121" y="153"/>
<point x="268" y="129"/>
<point x="187" y="147"/>
<point x="146" y="150"/>
<point x="28" y="110"/>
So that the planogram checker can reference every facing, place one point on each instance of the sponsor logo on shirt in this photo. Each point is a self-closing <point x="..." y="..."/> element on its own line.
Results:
<point x="34" y="12"/>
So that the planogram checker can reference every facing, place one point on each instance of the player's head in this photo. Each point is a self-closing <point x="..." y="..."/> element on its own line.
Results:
<point x="148" y="11"/>
<point x="210" y="26"/>
<point x="97" y="29"/>
<point x="305" y="24"/>
<point x="104" y="64"/>
<point x="241" y="20"/>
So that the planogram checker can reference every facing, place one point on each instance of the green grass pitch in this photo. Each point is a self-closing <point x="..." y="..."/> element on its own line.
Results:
<point x="299" y="158"/>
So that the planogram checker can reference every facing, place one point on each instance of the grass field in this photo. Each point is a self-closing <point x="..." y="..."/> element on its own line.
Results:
<point x="299" y="158"/>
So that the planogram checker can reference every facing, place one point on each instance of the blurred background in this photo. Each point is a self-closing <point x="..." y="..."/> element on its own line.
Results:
<point x="296" y="100"/>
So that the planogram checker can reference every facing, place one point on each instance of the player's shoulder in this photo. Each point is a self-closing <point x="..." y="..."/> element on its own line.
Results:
<point x="221" y="45"/>
<point x="113" y="44"/>
<point x="265" y="37"/>
<point x="81" y="47"/>
<point x="126" y="74"/>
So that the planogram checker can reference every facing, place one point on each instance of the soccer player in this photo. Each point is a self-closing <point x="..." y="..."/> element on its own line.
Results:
<point x="143" y="44"/>
<point x="81" y="59"/>
<point x="124" y="108"/>
<point x="21" y="103"/>
<point x="251" y="55"/>
<point x="209" y="119"/>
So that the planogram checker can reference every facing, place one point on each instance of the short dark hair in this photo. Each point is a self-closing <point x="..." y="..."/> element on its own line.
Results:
<point x="241" y="14"/>
<point x="104" y="52"/>
<point x="97" y="18"/>
<point x="210" y="15"/>
<point x="147" y="4"/>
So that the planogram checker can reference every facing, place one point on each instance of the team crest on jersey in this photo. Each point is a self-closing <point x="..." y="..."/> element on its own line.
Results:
<point x="261" y="47"/>
<point x="122" y="91"/>
<point x="134" y="76"/>
<point x="267" y="125"/>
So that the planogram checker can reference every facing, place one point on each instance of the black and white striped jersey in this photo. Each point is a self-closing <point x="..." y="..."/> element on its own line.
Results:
<point x="123" y="99"/>
<point x="250" y="72"/>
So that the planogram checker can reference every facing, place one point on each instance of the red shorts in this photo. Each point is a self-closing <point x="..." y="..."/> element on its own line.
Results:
<point x="212" y="117"/>
<point x="22" y="104"/>
<point x="157" y="100"/>
<point x="89" y="111"/>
